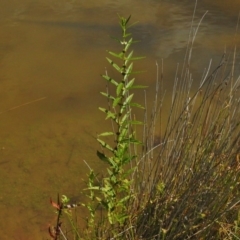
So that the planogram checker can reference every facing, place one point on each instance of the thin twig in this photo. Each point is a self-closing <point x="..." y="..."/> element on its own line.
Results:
<point x="24" y="104"/>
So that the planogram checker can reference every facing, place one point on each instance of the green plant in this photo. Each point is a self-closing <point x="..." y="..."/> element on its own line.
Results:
<point x="114" y="192"/>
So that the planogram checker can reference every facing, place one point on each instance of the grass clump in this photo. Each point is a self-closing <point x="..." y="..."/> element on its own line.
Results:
<point x="182" y="180"/>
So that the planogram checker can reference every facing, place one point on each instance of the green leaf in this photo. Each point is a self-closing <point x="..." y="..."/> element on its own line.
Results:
<point x="114" y="65"/>
<point x="127" y="20"/>
<point x="94" y="188"/>
<point x="98" y="199"/>
<point x="124" y="199"/>
<point x="117" y="55"/>
<point x="109" y="172"/>
<point x="130" y="140"/>
<point x="120" y="218"/>
<point x="114" y="178"/>
<point x="107" y="95"/>
<point x="127" y="35"/>
<point x="110" y="80"/>
<point x="109" y="113"/>
<point x="128" y="160"/>
<point x="123" y="108"/>
<point x="136" y="105"/>
<point x="106" y="159"/>
<point x="119" y="88"/>
<point x="130" y="83"/>
<point x="116" y="101"/>
<point x="128" y="99"/>
<point x="128" y="58"/>
<point x="132" y="169"/>
<point x="129" y="69"/>
<point x="123" y="133"/>
<point x="105" y="134"/>
<point x="124" y="118"/>
<point x="103" y="157"/>
<point x="110" y="218"/>
<point x="128" y="44"/>
<point x="103" y="109"/>
<point x="132" y="24"/>
<point x="123" y="125"/>
<point x="105" y="145"/>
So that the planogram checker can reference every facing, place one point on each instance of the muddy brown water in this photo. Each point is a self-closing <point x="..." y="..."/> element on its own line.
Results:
<point x="51" y="56"/>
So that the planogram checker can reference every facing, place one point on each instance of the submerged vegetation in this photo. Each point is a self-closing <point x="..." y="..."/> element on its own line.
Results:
<point x="181" y="181"/>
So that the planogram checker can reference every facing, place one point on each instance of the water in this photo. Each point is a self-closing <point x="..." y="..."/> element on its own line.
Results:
<point x="51" y="56"/>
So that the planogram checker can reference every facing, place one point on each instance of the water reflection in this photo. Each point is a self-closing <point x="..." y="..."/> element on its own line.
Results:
<point x="56" y="50"/>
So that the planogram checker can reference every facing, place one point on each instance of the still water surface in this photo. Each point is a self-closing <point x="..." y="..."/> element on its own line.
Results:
<point x="52" y="53"/>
